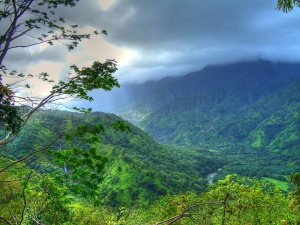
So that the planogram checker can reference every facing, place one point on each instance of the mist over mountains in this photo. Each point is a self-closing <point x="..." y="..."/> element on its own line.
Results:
<point x="259" y="76"/>
<point x="250" y="103"/>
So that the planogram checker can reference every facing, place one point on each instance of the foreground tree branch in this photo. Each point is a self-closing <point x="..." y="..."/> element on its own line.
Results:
<point x="186" y="214"/>
<point x="5" y="220"/>
<point x="86" y="79"/>
<point x="30" y="154"/>
<point x="36" y="19"/>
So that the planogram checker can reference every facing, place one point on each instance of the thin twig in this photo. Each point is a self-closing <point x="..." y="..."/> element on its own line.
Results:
<point x="24" y="198"/>
<point x="5" y="220"/>
<point x="224" y="210"/>
<point x="10" y="181"/>
<point x="30" y="154"/>
<point x="185" y="214"/>
<point x="36" y="222"/>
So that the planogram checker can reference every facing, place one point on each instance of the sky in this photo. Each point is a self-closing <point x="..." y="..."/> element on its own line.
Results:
<point x="158" y="38"/>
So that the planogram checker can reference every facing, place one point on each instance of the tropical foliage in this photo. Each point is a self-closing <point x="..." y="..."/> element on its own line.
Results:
<point x="59" y="167"/>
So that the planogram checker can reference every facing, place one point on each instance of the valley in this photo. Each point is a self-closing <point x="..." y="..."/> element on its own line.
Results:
<point x="238" y="122"/>
<point x="246" y="113"/>
<point x="149" y="112"/>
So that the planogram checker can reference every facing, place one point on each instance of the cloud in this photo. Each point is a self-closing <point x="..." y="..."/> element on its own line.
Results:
<point x="56" y="59"/>
<point x="173" y="36"/>
<point x="153" y="39"/>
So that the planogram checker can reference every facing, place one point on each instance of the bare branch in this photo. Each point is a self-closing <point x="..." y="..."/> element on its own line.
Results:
<point x="5" y="220"/>
<point x="185" y="214"/>
<point x="36" y="222"/>
<point x="11" y="181"/>
<point x="29" y="45"/>
<point x="11" y="30"/>
<point x="24" y="198"/>
<point x="224" y="209"/>
<point x="21" y="34"/>
<point x="30" y="154"/>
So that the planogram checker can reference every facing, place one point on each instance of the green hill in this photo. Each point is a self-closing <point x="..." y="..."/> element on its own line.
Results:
<point x="239" y="110"/>
<point x="139" y="168"/>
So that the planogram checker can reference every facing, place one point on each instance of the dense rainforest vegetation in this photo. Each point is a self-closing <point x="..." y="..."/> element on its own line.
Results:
<point x="143" y="182"/>
<point x="208" y="145"/>
<point x="139" y="169"/>
<point x="247" y="113"/>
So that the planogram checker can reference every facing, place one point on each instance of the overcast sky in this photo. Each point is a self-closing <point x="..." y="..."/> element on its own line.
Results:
<point x="151" y="39"/>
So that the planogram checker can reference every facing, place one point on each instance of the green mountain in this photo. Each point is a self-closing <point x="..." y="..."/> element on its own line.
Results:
<point x="139" y="169"/>
<point x="243" y="118"/>
<point x="240" y="110"/>
<point x="220" y="105"/>
<point x="203" y="119"/>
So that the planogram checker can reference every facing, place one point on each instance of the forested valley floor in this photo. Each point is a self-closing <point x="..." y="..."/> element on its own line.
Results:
<point x="143" y="182"/>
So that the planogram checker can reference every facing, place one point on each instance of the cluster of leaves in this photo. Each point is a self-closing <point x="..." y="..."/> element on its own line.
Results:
<point x="295" y="195"/>
<point x="234" y="200"/>
<point x="9" y="114"/>
<point x="37" y="19"/>
<point x="84" y="167"/>
<point x="48" y="202"/>
<point x="98" y="76"/>
<point x="42" y="13"/>
<point x="287" y="5"/>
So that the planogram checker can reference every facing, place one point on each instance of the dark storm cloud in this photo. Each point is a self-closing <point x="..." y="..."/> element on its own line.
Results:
<point x="22" y="57"/>
<point x="179" y="24"/>
<point x="172" y="37"/>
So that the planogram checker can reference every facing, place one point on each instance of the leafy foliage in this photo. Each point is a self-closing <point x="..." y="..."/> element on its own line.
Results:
<point x="295" y="195"/>
<point x="234" y="200"/>
<point x="9" y="118"/>
<point x="136" y="167"/>
<point x="139" y="170"/>
<point x="38" y="20"/>
<point x="48" y="203"/>
<point x="287" y="5"/>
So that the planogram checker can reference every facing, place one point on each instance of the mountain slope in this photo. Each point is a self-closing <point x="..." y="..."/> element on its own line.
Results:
<point x="201" y="119"/>
<point x="139" y="168"/>
<point x="219" y="105"/>
<point x="248" y="112"/>
<point x="247" y="80"/>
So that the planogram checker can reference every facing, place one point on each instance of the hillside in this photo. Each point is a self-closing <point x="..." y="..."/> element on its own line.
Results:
<point x="219" y="105"/>
<point x="236" y="119"/>
<point x="243" y="118"/>
<point x="205" y="119"/>
<point x="238" y="110"/>
<point x="139" y="168"/>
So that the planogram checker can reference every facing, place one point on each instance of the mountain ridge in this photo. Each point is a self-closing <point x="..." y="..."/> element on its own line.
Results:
<point x="223" y="104"/>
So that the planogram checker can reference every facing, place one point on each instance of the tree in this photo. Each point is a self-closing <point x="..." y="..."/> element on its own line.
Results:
<point x="27" y="18"/>
<point x="234" y="200"/>
<point x="9" y="113"/>
<point x="287" y="5"/>
<point x="37" y="19"/>
<point x="295" y="195"/>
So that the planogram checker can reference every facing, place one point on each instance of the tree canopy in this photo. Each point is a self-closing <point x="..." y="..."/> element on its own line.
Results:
<point x="28" y="23"/>
<point x="37" y="19"/>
